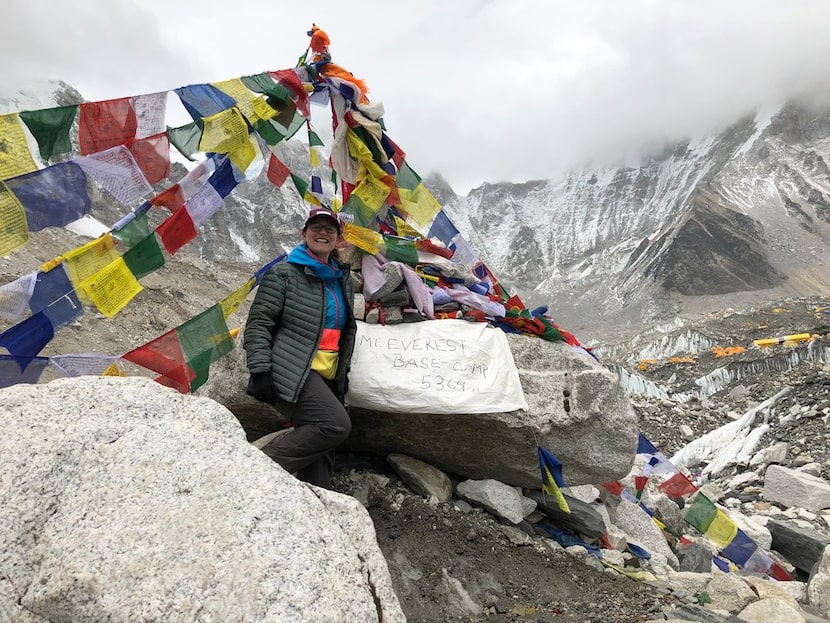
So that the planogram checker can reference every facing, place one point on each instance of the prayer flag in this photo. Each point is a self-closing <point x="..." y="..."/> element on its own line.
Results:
<point x="231" y="303"/>
<point x="204" y="100"/>
<point x="112" y="287"/>
<point x="186" y="138"/>
<point x="614" y="487"/>
<point x="442" y="228"/>
<point x="644" y="446"/>
<point x="277" y="171"/>
<point x="82" y="365"/>
<point x="177" y="230"/>
<point x="144" y="257"/>
<point x="239" y="91"/>
<point x="400" y="250"/>
<point x="552" y="479"/>
<point x="132" y="231"/>
<point x="639" y="485"/>
<point x="171" y="198"/>
<point x="14" y="231"/>
<point x="14" y="370"/>
<point x="150" y="111"/>
<point x="15" y="157"/>
<point x="52" y="197"/>
<point x="740" y="549"/>
<point x="224" y="132"/>
<point x="55" y="297"/>
<point x="204" y="339"/>
<point x="15" y="296"/>
<point x="116" y="171"/>
<point x="106" y="124"/>
<point x="86" y="260"/>
<point x="677" y="486"/>
<point x="279" y="96"/>
<point x="364" y="239"/>
<point x="288" y="78"/>
<point x="152" y="154"/>
<point x="204" y="204"/>
<point x="223" y="178"/>
<point x="51" y="127"/>
<point x="420" y="207"/>
<point x="164" y="355"/>
<point x="406" y="177"/>
<point x="26" y="339"/>
<point x="722" y="529"/>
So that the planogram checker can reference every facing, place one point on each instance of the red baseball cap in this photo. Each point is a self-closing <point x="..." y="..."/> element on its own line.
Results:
<point x="324" y="213"/>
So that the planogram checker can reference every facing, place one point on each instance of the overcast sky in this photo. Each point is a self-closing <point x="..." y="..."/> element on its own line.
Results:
<point x="478" y="90"/>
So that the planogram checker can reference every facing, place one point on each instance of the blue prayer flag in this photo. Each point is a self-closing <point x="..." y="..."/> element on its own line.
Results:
<point x="55" y="296"/>
<point x="14" y="370"/>
<point x="442" y="228"/>
<point x="644" y="446"/>
<point x="223" y="179"/>
<point x="52" y="197"/>
<point x="740" y="548"/>
<point x="204" y="100"/>
<point x="26" y="339"/>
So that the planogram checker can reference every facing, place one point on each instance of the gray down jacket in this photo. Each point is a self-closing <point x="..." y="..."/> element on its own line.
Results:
<point x="285" y="325"/>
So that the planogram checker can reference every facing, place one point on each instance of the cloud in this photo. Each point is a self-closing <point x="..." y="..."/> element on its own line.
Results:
<point x="479" y="91"/>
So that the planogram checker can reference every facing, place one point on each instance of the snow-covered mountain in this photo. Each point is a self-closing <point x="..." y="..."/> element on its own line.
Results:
<point x="718" y="221"/>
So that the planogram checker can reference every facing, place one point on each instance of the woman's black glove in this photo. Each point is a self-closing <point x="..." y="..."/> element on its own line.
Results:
<point x="261" y="387"/>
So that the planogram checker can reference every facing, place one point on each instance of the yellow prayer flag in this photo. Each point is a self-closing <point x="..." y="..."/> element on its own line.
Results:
<point x="14" y="229"/>
<point x="15" y="157"/>
<point x="231" y="303"/>
<point x="112" y="287"/>
<point x="86" y="260"/>
<point x="47" y="266"/>
<point x="313" y="157"/>
<point x="224" y="132"/>
<point x="237" y="90"/>
<point x="405" y="229"/>
<point x="722" y="530"/>
<point x="552" y="489"/>
<point x="365" y="239"/>
<point x="262" y="109"/>
<point x="113" y="370"/>
<point x="419" y="204"/>
<point x="357" y="148"/>
<point x="372" y="192"/>
<point x="243" y="155"/>
<point x="336" y="204"/>
<point x="234" y="332"/>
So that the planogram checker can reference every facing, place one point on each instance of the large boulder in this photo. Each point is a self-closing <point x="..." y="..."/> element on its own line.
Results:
<point x="121" y="499"/>
<point x="576" y="409"/>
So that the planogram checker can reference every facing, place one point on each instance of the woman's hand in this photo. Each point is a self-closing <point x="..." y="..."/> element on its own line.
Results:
<point x="261" y="387"/>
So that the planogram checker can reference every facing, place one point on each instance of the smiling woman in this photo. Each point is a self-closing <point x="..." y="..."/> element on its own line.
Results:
<point x="299" y="339"/>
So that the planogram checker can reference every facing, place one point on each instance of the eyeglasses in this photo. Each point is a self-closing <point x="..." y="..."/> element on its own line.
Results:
<point x="318" y="227"/>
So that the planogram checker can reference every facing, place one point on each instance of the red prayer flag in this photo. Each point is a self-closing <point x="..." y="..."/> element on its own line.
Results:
<point x="614" y="487"/>
<point x="346" y="190"/>
<point x="289" y="79"/>
<point x="172" y="198"/>
<point x="164" y="355"/>
<point x="677" y="486"/>
<point x="177" y="230"/>
<point x="277" y="171"/>
<point x="153" y="156"/>
<point x="779" y="573"/>
<point x="105" y="124"/>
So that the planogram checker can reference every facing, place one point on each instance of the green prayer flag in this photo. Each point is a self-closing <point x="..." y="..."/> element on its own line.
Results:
<point x="203" y="340"/>
<point x="363" y="214"/>
<point x="314" y="140"/>
<point x="288" y="121"/>
<point x="133" y="232"/>
<point x="399" y="250"/>
<point x="407" y="178"/>
<point x="51" y="127"/>
<point x="186" y="138"/>
<point x="268" y="131"/>
<point x="278" y="96"/>
<point x="145" y="257"/>
<point x="700" y="513"/>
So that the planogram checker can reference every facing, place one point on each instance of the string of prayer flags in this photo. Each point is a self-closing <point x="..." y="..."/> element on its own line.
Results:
<point x="50" y="128"/>
<point x="204" y="100"/>
<point x="183" y="355"/>
<point x="552" y="479"/>
<point x="14" y="231"/>
<point x="27" y="338"/>
<point x="51" y="197"/>
<point x="111" y="288"/>
<point x="116" y="171"/>
<point x="106" y="124"/>
<point x="55" y="297"/>
<point x="15" y="296"/>
<point x="14" y="370"/>
<point x="15" y="157"/>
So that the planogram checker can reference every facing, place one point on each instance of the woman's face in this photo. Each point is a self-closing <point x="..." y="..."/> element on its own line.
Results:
<point x="321" y="237"/>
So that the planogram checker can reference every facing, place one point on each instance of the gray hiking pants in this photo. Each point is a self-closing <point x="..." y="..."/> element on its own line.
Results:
<point x="321" y="423"/>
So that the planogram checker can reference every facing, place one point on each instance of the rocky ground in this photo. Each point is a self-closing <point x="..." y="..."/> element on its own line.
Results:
<point x="450" y="563"/>
<point x="430" y="546"/>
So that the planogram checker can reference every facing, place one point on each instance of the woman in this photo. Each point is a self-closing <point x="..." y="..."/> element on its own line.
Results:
<point x="299" y="339"/>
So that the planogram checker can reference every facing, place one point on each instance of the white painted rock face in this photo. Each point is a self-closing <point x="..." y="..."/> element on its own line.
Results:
<point x="121" y="499"/>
